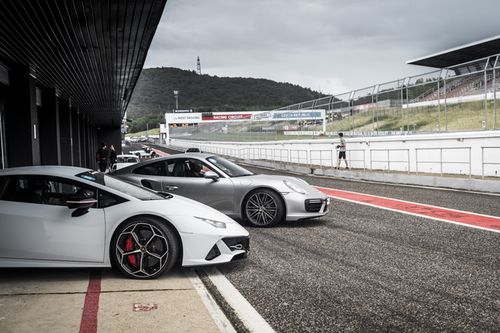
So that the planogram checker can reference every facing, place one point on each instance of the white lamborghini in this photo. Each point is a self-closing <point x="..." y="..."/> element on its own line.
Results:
<point x="54" y="216"/>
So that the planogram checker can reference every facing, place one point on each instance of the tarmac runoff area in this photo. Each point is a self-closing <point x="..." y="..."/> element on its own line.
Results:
<point x="77" y="300"/>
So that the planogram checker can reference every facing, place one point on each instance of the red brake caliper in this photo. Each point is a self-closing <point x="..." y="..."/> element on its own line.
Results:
<point x="129" y="246"/>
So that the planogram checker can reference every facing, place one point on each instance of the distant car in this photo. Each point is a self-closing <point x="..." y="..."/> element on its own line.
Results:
<point x="193" y="150"/>
<point x="54" y="216"/>
<point x="125" y="160"/>
<point x="263" y="200"/>
<point x="142" y="154"/>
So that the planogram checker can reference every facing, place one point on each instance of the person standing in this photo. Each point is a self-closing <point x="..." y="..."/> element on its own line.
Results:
<point x="112" y="157"/>
<point x="342" y="150"/>
<point x="102" y="157"/>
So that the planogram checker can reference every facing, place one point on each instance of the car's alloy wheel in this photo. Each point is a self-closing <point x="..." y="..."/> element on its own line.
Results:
<point x="263" y="208"/>
<point x="144" y="248"/>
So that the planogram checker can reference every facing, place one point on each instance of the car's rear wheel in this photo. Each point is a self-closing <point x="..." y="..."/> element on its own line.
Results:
<point x="263" y="208"/>
<point x="144" y="248"/>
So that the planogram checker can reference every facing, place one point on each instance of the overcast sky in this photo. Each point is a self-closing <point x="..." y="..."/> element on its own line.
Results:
<point x="327" y="45"/>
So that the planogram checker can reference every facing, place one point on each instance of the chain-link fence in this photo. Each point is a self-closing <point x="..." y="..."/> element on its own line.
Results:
<point x="464" y="97"/>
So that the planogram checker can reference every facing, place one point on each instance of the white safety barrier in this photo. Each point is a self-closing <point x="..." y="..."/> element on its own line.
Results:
<point x="469" y="154"/>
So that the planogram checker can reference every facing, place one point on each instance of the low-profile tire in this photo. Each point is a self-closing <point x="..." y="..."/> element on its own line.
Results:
<point x="144" y="248"/>
<point x="263" y="208"/>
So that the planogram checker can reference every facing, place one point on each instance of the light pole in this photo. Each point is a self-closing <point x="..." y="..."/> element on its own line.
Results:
<point x="176" y="95"/>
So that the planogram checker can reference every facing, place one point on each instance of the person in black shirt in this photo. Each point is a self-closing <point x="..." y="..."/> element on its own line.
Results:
<point x="101" y="157"/>
<point x="112" y="157"/>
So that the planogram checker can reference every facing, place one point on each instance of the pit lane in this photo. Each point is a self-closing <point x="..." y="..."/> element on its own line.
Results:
<point x="361" y="268"/>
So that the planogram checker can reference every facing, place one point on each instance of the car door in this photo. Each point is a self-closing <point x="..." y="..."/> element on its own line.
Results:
<point x="36" y="224"/>
<point x="182" y="180"/>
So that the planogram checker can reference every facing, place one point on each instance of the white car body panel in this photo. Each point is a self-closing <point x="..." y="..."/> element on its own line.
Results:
<point x="47" y="232"/>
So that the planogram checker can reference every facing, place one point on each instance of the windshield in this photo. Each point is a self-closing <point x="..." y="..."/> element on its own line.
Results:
<point x="135" y="191"/>
<point x="229" y="168"/>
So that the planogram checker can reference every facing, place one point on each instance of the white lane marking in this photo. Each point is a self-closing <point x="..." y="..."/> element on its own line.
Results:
<point x="252" y="320"/>
<point x="415" y="214"/>
<point x="220" y="319"/>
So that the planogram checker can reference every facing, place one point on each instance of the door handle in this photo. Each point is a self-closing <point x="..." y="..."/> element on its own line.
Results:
<point x="171" y="187"/>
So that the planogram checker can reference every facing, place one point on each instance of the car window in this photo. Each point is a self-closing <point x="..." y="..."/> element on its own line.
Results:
<point x="136" y="191"/>
<point x="44" y="190"/>
<point x="127" y="159"/>
<point x="231" y="169"/>
<point x="152" y="169"/>
<point x="107" y="199"/>
<point x="188" y="167"/>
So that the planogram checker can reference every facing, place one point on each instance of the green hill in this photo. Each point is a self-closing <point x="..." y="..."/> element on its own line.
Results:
<point x="153" y="94"/>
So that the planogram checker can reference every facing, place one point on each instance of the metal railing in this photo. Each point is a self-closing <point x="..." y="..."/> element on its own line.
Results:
<point x="483" y="163"/>
<point x="409" y="160"/>
<point x="440" y="160"/>
<point x="325" y="158"/>
<point x="350" y="159"/>
<point x="388" y="160"/>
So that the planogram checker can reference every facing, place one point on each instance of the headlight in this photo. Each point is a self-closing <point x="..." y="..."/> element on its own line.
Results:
<point x="294" y="187"/>
<point x="214" y="223"/>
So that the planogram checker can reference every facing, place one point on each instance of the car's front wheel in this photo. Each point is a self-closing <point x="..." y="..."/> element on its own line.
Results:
<point x="144" y="248"/>
<point x="263" y="208"/>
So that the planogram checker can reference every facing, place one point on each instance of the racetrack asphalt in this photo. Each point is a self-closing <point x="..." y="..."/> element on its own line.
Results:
<point x="362" y="268"/>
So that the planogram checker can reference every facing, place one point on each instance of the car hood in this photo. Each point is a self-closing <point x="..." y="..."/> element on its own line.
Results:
<point x="277" y="182"/>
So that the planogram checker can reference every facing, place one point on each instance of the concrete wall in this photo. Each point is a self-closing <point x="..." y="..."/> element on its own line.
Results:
<point x="448" y="153"/>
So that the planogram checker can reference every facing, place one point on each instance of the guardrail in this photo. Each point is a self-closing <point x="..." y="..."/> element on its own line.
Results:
<point x="483" y="163"/>
<point x="440" y="161"/>
<point x="388" y="160"/>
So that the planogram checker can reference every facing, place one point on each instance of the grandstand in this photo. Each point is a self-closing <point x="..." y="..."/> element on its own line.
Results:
<point x="461" y="95"/>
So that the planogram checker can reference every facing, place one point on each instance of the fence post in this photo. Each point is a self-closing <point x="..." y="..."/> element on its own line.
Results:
<point x="482" y="162"/>
<point x="441" y="159"/>
<point x="416" y="161"/>
<point x="364" y="160"/>
<point x="388" y="161"/>
<point x="470" y="162"/>
<point x="408" y="158"/>
<point x="371" y="160"/>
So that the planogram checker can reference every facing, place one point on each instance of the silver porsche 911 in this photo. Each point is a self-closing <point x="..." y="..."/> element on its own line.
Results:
<point x="262" y="200"/>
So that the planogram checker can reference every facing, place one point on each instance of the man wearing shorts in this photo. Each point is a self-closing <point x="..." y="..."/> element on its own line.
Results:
<point x="342" y="150"/>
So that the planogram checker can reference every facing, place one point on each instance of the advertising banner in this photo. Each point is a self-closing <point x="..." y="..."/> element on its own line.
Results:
<point x="183" y="118"/>
<point x="208" y="117"/>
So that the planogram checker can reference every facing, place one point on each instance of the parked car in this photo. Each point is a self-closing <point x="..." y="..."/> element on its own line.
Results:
<point x="55" y="216"/>
<point x="193" y="150"/>
<point x="262" y="200"/>
<point x="143" y="154"/>
<point x="125" y="160"/>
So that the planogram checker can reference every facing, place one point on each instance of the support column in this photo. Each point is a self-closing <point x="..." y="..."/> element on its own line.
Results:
<point x="75" y="136"/>
<point x="48" y="118"/>
<point x="83" y="143"/>
<point x="21" y="120"/>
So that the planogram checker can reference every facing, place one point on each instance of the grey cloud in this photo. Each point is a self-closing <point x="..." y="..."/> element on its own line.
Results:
<point x="316" y="43"/>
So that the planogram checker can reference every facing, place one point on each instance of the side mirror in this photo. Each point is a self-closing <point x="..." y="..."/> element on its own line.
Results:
<point x="211" y="175"/>
<point x="82" y="206"/>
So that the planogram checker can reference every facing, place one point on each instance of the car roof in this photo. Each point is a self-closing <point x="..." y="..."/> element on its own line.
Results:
<point x="49" y="170"/>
